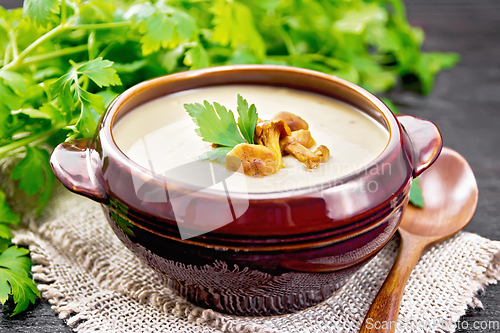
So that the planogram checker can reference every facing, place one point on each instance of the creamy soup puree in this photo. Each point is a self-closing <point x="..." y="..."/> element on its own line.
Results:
<point x="160" y="135"/>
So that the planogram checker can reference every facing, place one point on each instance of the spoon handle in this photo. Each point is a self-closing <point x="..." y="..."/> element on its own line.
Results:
<point x="383" y="314"/>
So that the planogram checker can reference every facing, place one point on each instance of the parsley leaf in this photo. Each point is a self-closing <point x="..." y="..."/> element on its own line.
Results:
<point x="101" y="72"/>
<point x="234" y="25"/>
<point x="35" y="175"/>
<point x="162" y="26"/>
<point x="129" y="67"/>
<point x="215" y="123"/>
<point x="430" y="64"/>
<point x="15" y="279"/>
<point x="5" y="233"/>
<point x="10" y="99"/>
<point x="158" y="31"/>
<point x="4" y="244"/>
<point x="98" y="70"/>
<point x="91" y="105"/>
<point x="16" y="81"/>
<point x="356" y="20"/>
<point x="196" y="57"/>
<point x="97" y="10"/>
<point x="247" y="119"/>
<point x="31" y="176"/>
<point x="6" y="214"/>
<point x="170" y="59"/>
<point x="416" y="196"/>
<point x="92" y="109"/>
<point x="40" y="11"/>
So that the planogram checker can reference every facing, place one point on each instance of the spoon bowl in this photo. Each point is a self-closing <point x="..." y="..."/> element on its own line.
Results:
<point x="450" y="192"/>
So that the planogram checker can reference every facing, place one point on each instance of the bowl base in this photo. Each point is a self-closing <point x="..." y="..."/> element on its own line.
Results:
<point x="279" y="296"/>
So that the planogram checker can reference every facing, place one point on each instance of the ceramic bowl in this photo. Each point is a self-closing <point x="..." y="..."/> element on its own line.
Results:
<point x="285" y="251"/>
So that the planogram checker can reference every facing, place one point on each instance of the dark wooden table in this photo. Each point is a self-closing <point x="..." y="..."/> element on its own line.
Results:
<point x="465" y="104"/>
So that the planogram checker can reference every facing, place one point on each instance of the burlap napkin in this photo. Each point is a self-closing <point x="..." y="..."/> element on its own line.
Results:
<point x="97" y="285"/>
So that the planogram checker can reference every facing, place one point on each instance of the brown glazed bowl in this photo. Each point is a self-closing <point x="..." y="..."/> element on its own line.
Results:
<point x="285" y="251"/>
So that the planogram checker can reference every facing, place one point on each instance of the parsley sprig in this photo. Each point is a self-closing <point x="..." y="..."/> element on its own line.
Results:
<point x="63" y="61"/>
<point x="217" y="125"/>
<point x="15" y="278"/>
<point x="416" y="195"/>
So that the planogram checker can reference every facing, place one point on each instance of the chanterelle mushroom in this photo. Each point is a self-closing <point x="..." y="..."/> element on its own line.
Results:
<point x="301" y="136"/>
<point x="293" y="121"/>
<point x="310" y="158"/>
<point x="252" y="160"/>
<point x="269" y="132"/>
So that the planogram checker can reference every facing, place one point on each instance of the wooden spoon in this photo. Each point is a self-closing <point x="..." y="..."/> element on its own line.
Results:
<point x="450" y="192"/>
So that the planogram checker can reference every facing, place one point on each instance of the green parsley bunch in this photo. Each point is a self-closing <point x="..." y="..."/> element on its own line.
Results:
<point x="63" y="61"/>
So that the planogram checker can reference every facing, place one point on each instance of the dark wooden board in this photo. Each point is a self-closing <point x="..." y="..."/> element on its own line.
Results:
<point x="465" y="104"/>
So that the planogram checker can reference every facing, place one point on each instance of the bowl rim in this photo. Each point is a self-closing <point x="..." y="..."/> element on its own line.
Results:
<point x="394" y="128"/>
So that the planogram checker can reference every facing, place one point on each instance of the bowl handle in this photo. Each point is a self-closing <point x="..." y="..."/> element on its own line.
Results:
<point x="425" y="141"/>
<point x="73" y="165"/>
